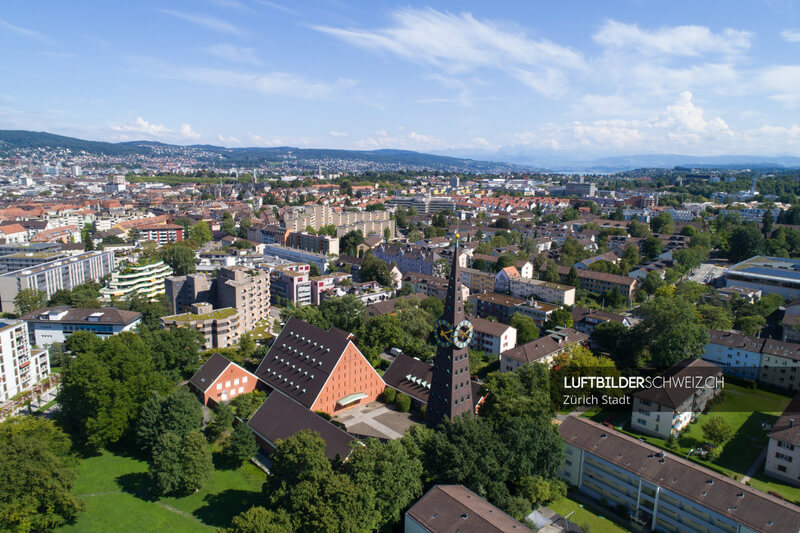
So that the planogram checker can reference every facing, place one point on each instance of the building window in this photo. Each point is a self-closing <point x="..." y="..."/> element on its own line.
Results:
<point x="219" y="386"/>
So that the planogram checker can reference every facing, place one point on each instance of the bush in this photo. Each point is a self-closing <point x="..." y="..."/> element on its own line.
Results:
<point x="403" y="403"/>
<point x="389" y="395"/>
<point x="714" y="453"/>
<point x="671" y="443"/>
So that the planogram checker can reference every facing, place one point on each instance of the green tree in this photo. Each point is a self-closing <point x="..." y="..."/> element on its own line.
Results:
<point x="195" y="463"/>
<point x="373" y="269"/>
<point x="176" y="351"/>
<point x="572" y="277"/>
<point x="247" y="346"/>
<point x="180" y="258"/>
<point x="561" y="317"/>
<point x="403" y="402"/>
<point x="662" y="223"/>
<point x="165" y="465"/>
<point x="670" y="330"/>
<point x="228" y="226"/>
<point x="241" y="445"/>
<point x="714" y="317"/>
<point x="652" y="282"/>
<point x="716" y="430"/>
<point x="525" y="326"/>
<point x="652" y="247"/>
<point x="638" y="229"/>
<point x="201" y="233"/>
<point x="37" y="473"/>
<point x="348" y="243"/>
<point x="345" y="312"/>
<point x="260" y="520"/>
<point x="29" y="300"/>
<point x="608" y="335"/>
<point x="179" y="414"/>
<point x="244" y="225"/>
<point x="766" y="222"/>
<point x="222" y="421"/>
<point x="751" y="324"/>
<point x="745" y="242"/>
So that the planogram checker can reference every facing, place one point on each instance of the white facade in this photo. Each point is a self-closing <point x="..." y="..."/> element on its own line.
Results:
<point x="554" y="293"/>
<point x="20" y="367"/>
<point x="132" y="280"/>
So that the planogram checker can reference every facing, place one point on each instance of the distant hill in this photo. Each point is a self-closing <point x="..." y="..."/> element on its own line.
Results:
<point x="254" y="155"/>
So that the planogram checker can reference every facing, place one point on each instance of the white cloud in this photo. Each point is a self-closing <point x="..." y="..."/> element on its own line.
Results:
<point x="278" y="7"/>
<point x="334" y="133"/>
<point x="227" y="140"/>
<point x="459" y="43"/>
<point x="141" y="128"/>
<point x="675" y="40"/>
<point x="206" y="21"/>
<point x="233" y="53"/>
<point x="233" y="4"/>
<point x="24" y="32"/>
<point x="783" y="82"/>
<point x="791" y="35"/>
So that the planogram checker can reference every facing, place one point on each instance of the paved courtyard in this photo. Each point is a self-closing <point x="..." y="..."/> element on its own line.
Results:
<point x="376" y="419"/>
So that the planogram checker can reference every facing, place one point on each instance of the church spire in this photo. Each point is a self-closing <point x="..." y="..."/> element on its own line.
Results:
<point x="451" y="390"/>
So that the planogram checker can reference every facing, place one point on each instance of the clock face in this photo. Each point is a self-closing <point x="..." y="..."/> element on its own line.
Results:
<point x="463" y="333"/>
<point x="443" y="333"/>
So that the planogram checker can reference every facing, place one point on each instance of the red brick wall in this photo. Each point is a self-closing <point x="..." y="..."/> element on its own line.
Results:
<point x="352" y="374"/>
<point x="228" y="381"/>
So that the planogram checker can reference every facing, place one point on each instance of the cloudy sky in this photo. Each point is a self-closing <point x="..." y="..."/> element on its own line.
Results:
<point x="582" y="78"/>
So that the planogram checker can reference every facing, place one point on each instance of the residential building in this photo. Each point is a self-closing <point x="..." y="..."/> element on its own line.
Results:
<point x="783" y="448"/>
<point x="322" y="370"/>
<point x="20" y="366"/>
<point x="602" y="282"/>
<point x="290" y="287"/>
<point x="430" y="285"/>
<point x="503" y="278"/>
<point x="29" y="259"/>
<point x="585" y="320"/>
<point x="246" y="290"/>
<point x="790" y="323"/>
<point x="54" y="324"/>
<point x="13" y="234"/>
<point x="220" y="328"/>
<point x="611" y="257"/>
<point x="546" y="291"/>
<point x="387" y="307"/>
<point x="477" y="281"/>
<point x="770" y="275"/>
<point x="423" y="203"/>
<point x="542" y="350"/>
<point x="780" y="365"/>
<point x="220" y="380"/>
<point x="661" y="491"/>
<point x="183" y="291"/>
<point x="503" y="307"/>
<point x="316" y="216"/>
<point x="321" y="244"/>
<point x="161" y="234"/>
<point x="50" y="277"/>
<point x="492" y="337"/>
<point x="580" y="188"/>
<point x="320" y="284"/>
<point x="410" y="258"/>
<point x="449" y="508"/>
<point x="666" y="410"/>
<point x="738" y="355"/>
<point x="268" y="234"/>
<point x="146" y="280"/>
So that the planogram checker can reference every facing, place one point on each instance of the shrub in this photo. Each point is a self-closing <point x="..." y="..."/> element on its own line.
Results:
<point x="389" y="395"/>
<point x="403" y="403"/>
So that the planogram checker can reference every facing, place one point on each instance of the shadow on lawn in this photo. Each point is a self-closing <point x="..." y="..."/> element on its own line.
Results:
<point x="138" y="484"/>
<point x="219" y="509"/>
<point x="223" y="461"/>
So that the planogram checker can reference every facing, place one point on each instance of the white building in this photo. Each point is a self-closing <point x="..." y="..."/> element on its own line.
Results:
<point x="54" y="324"/>
<point x="20" y="367"/>
<point x="783" y="450"/>
<point x="132" y="280"/>
<point x="492" y="337"/>
<point x="554" y="293"/>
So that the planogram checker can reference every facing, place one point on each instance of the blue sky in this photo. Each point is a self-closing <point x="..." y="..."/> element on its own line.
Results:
<point x="579" y="79"/>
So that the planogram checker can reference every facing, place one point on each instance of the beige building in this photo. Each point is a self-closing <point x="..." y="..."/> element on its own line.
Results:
<point x="542" y="350"/>
<point x="554" y="293"/>
<point x="783" y="450"/>
<point x="477" y="280"/>
<point x="316" y="216"/>
<point x="780" y="365"/>
<point x="220" y="327"/>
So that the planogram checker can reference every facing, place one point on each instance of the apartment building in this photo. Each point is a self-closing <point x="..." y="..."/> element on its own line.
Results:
<point x="423" y="203"/>
<point x="504" y="277"/>
<point x="146" y="280"/>
<point x="477" y="281"/>
<point x="783" y="449"/>
<point x="66" y="273"/>
<point x="320" y="284"/>
<point x="663" y="492"/>
<point x="542" y="350"/>
<point x="316" y="216"/>
<point x="546" y="291"/>
<point x="585" y="320"/>
<point x="220" y="380"/>
<point x="780" y="365"/>
<point x="183" y="291"/>
<point x="738" y="355"/>
<point x="220" y="328"/>
<point x="667" y="410"/>
<point x="321" y="244"/>
<point x="246" y="290"/>
<point x="20" y="367"/>
<point x="54" y="324"/>
<point x="290" y="286"/>
<point x="602" y="282"/>
<point x="430" y="285"/>
<point x="268" y="234"/>
<point x="161" y="234"/>
<point x="503" y="307"/>
<point x="299" y="256"/>
<point x="410" y="258"/>
<point x="28" y="259"/>
<point x="492" y="337"/>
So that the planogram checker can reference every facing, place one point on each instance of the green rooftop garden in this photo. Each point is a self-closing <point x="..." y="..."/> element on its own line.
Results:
<point x="217" y="314"/>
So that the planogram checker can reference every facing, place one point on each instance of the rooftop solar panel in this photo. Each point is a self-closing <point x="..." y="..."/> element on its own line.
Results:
<point x="777" y="272"/>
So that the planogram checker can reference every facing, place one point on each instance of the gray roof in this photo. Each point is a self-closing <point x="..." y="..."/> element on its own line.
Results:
<point x="756" y="510"/>
<point x="671" y="394"/>
<point x="301" y="359"/>
<point x="534" y="350"/>
<point x="787" y="427"/>
<point x="106" y="315"/>
<point x="455" y="508"/>
<point x="421" y="374"/>
<point x="209" y="372"/>
<point x="280" y="417"/>
<point x="735" y="340"/>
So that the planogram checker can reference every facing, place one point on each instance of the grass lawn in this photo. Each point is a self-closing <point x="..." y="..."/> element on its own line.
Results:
<point x="743" y="408"/>
<point x="765" y="483"/>
<point x="584" y="517"/>
<point x="114" y="486"/>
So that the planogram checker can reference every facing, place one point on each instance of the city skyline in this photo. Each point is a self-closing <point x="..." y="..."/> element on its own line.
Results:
<point x="448" y="78"/>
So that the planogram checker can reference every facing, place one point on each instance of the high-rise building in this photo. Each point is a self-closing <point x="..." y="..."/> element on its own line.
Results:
<point x="137" y="280"/>
<point x="20" y="367"/>
<point x="450" y="394"/>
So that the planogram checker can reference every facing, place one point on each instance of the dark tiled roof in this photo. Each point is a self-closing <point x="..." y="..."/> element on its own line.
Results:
<point x="674" y="395"/>
<point x="735" y="340"/>
<point x="106" y="315"/>
<point x="581" y="313"/>
<point x="532" y="351"/>
<point x="280" y="417"/>
<point x="451" y="508"/>
<point x="421" y="373"/>
<point x="301" y="359"/>
<point x="385" y="307"/>
<point x="209" y="372"/>
<point x="787" y="427"/>
<point x="756" y="510"/>
<point x="789" y="350"/>
<point x="488" y="326"/>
